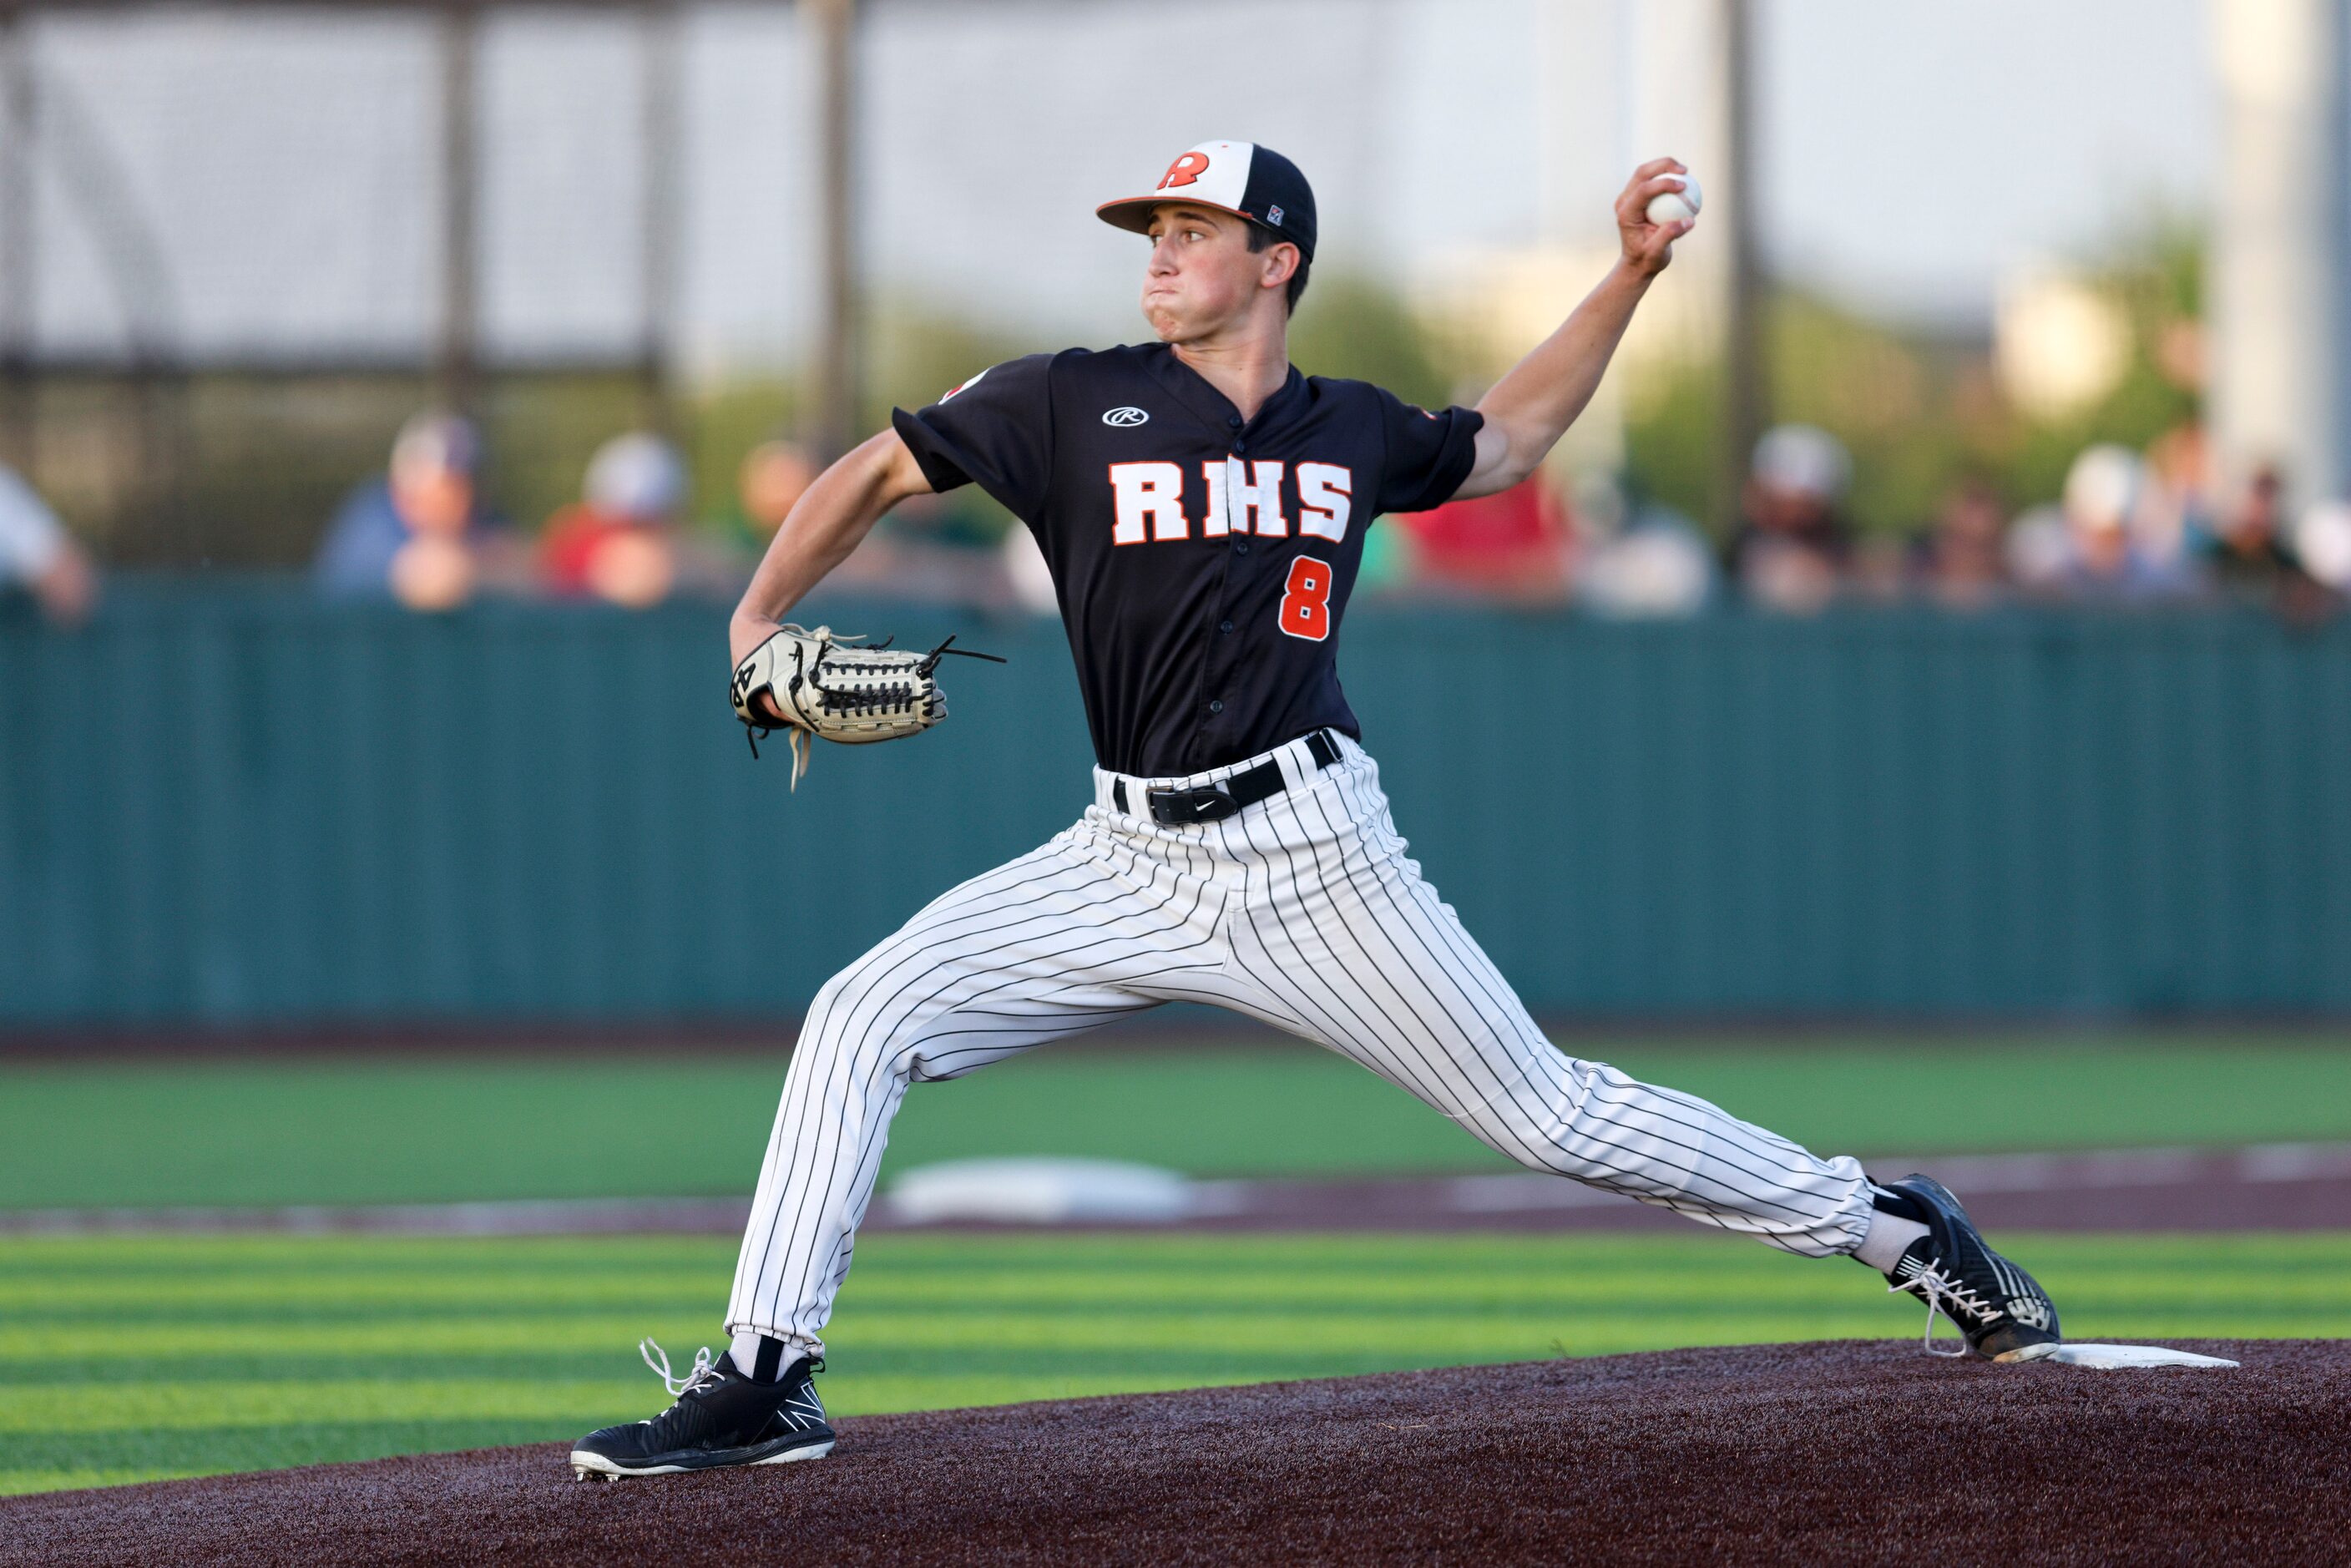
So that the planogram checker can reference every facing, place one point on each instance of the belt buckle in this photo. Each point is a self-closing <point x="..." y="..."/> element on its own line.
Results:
<point x="1209" y="803"/>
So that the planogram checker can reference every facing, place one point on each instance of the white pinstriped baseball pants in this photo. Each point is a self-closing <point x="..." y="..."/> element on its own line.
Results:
<point x="1302" y="911"/>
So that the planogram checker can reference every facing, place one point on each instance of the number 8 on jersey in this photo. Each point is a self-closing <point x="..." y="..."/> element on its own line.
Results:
<point x="1306" y="600"/>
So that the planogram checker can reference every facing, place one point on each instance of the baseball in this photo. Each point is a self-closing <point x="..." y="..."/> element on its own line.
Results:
<point x="1677" y="206"/>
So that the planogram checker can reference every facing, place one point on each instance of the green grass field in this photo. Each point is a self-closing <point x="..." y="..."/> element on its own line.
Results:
<point x="415" y="1130"/>
<point x="131" y="1359"/>
<point x="135" y="1357"/>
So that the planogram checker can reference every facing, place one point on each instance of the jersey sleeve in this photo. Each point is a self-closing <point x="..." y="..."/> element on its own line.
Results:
<point x="995" y="430"/>
<point x="1428" y="454"/>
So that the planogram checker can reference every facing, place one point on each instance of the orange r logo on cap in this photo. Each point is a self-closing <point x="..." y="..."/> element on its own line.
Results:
<point x="1184" y="170"/>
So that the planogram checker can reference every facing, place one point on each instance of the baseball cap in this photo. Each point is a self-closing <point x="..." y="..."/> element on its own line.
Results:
<point x="1804" y="460"/>
<point x="637" y="475"/>
<point x="2102" y="489"/>
<point x="435" y="443"/>
<point x="1257" y="182"/>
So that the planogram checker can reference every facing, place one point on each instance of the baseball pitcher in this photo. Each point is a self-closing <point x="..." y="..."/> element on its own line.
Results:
<point x="1203" y="506"/>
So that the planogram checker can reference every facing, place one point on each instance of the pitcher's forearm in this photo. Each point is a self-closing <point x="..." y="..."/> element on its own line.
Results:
<point x="826" y="525"/>
<point x="1541" y="395"/>
<point x="1530" y="409"/>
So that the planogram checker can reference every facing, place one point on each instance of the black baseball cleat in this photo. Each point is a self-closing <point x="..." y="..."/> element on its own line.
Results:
<point x="2002" y="1311"/>
<point x="721" y="1418"/>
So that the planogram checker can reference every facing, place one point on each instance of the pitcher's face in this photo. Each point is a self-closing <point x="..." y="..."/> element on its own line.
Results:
<point x="1202" y="275"/>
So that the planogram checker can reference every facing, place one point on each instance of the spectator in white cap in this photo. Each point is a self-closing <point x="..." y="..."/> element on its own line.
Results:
<point x="2104" y="560"/>
<point x="38" y="555"/>
<point x="616" y="543"/>
<point x="1793" y="547"/>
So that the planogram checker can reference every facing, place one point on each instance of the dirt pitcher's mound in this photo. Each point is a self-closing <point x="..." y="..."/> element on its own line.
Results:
<point x="1818" y="1453"/>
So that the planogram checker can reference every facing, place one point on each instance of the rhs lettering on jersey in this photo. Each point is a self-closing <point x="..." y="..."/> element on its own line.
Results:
<point x="1257" y="498"/>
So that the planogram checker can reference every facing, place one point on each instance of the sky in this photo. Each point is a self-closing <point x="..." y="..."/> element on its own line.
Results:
<point x="261" y="182"/>
<point x="1910" y="152"/>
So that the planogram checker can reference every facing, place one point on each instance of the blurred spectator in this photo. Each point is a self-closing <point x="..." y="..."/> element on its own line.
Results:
<point x="943" y="549"/>
<point x="2177" y="521"/>
<point x="2107" y="557"/>
<point x="2040" y="547"/>
<point x="1793" y="547"/>
<point x="769" y="483"/>
<point x="1965" y="563"/>
<point x="1031" y="580"/>
<point x="1883" y="568"/>
<point x="2252" y="559"/>
<point x="37" y="552"/>
<point x="2321" y="542"/>
<point x="616" y="543"/>
<point x="2249" y="549"/>
<point x="1513" y="545"/>
<point x="418" y="535"/>
<point x="1656" y="563"/>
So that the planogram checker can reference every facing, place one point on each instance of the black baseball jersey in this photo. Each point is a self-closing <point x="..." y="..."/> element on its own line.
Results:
<point x="1202" y="561"/>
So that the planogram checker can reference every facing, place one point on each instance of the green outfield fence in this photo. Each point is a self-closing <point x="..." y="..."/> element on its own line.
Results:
<point x="232" y="805"/>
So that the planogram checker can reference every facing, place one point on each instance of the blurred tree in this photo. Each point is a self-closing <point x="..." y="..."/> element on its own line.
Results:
<point x="914" y="354"/>
<point x="1919" y="410"/>
<point x="727" y="421"/>
<point x="2156" y="269"/>
<point x="261" y="459"/>
<point x="1671" y="414"/>
<point x="540" y="432"/>
<point x="1354" y="328"/>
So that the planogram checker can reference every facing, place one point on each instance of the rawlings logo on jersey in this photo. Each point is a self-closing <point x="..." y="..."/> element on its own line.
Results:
<point x="1125" y="418"/>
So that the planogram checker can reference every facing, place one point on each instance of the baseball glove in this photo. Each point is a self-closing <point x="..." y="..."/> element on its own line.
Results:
<point x="832" y="688"/>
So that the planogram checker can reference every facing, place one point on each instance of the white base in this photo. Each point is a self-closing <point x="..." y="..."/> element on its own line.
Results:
<point x="1041" y="1190"/>
<point x="2115" y="1357"/>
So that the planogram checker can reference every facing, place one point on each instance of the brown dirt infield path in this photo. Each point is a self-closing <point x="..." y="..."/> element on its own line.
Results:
<point x="1843" y="1452"/>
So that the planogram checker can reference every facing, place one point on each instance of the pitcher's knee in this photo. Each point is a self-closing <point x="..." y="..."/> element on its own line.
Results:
<point x="842" y="1023"/>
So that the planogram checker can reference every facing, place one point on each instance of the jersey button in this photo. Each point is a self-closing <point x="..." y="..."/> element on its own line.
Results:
<point x="1217" y="705"/>
<point x="1241" y="549"/>
<point x="1235" y="421"/>
<point x="1239" y="447"/>
<point x="1224" y="626"/>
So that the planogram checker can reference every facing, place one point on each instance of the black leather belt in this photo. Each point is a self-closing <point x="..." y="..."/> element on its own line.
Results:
<point x="1214" y="802"/>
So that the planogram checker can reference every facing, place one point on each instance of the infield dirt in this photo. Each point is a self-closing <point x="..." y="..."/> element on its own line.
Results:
<point x="1838" y="1452"/>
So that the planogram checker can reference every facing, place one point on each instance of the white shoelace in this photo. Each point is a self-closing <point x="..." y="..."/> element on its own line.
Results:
<point x="704" y="1370"/>
<point x="1942" y="1294"/>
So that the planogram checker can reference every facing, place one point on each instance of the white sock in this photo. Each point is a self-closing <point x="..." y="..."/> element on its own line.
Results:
<point x="1889" y="1237"/>
<point x="745" y="1350"/>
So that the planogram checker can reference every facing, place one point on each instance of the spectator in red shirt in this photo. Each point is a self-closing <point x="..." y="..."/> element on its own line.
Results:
<point x="616" y="544"/>
<point x="1513" y="545"/>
